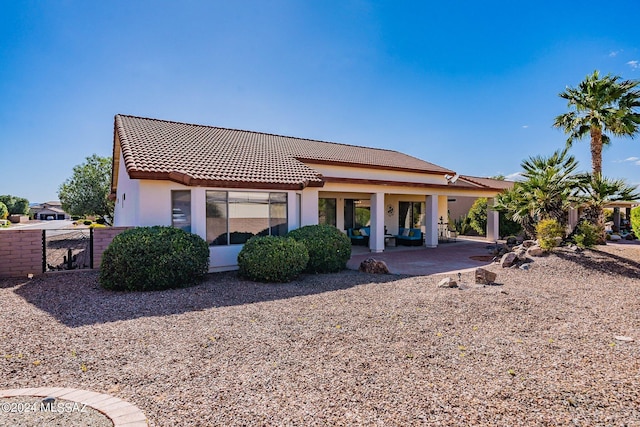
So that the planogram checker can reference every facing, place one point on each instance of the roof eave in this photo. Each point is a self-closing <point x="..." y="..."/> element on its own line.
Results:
<point x="185" y="179"/>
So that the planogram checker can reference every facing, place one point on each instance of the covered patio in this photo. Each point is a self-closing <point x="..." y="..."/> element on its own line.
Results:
<point x="463" y="254"/>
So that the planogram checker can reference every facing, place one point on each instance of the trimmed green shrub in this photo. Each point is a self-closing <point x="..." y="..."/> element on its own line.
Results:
<point x="550" y="232"/>
<point x="272" y="259"/>
<point x="635" y="221"/>
<point x="586" y="234"/>
<point x="4" y="212"/>
<point x="329" y="248"/>
<point x="153" y="258"/>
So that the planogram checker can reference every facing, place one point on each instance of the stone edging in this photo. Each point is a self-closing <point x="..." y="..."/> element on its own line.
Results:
<point x="121" y="412"/>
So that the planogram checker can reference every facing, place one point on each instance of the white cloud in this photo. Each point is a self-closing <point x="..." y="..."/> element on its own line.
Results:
<point x="513" y="176"/>
<point x="634" y="64"/>
<point x="614" y="53"/>
<point x="525" y="126"/>
<point x="635" y="160"/>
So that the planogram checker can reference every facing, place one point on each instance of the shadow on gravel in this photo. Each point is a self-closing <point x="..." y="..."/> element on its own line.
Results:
<point x="76" y="299"/>
<point x="604" y="262"/>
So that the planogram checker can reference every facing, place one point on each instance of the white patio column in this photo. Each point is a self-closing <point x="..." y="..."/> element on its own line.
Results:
<point x="493" y="222"/>
<point x="309" y="208"/>
<point x="340" y="213"/>
<point x="431" y="222"/>
<point x="376" y="241"/>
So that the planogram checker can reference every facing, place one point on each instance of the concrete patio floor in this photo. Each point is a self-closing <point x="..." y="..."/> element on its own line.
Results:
<point x="420" y="261"/>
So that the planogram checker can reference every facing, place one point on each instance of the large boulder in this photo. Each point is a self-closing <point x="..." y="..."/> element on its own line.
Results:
<point x="373" y="266"/>
<point x="485" y="277"/>
<point x="508" y="259"/>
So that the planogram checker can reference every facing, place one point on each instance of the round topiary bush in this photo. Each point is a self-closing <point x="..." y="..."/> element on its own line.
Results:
<point x="549" y="233"/>
<point x="153" y="258"/>
<point x="329" y="248"/>
<point x="272" y="259"/>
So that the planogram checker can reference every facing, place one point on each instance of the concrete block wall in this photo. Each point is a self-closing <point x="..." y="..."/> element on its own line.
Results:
<point x="101" y="239"/>
<point x="20" y="253"/>
<point x="21" y="250"/>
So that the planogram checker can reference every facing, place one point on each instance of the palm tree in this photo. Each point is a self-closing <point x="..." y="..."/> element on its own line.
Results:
<point x="600" y="106"/>
<point x="546" y="192"/>
<point x="593" y="192"/>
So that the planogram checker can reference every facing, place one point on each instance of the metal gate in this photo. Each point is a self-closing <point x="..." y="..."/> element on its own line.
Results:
<point x="67" y="249"/>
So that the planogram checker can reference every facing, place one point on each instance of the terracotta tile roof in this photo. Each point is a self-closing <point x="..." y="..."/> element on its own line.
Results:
<point x="207" y="155"/>
<point x="489" y="182"/>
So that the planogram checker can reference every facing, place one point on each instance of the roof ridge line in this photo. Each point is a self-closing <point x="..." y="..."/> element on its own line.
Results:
<point x="267" y="133"/>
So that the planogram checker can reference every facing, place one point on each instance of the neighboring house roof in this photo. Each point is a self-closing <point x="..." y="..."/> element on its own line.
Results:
<point x="206" y="155"/>
<point x="485" y="183"/>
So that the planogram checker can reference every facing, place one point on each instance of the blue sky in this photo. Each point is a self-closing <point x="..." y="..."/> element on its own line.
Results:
<point x="472" y="86"/>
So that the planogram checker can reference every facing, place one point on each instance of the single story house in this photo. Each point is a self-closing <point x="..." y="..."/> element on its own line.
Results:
<point x="48" y="211"/>
<point x="227" y="185"/>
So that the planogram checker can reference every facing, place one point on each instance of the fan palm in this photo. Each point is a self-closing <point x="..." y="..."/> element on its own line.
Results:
<point x="545" y="193"/>
<point x="600" y="106"/>
<point x="594" y="191"/>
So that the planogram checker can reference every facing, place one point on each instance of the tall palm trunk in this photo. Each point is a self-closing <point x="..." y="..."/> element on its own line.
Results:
<point x="596" y="150"/>
<point x="597" y="212"/>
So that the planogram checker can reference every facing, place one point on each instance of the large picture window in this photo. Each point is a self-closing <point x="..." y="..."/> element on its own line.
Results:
<point x="327" y="211"/>
<point x="411" y="214"/>
<point x="181" y="209"/>
<point x="233" y="217"/>
<point x="357" y="213"/>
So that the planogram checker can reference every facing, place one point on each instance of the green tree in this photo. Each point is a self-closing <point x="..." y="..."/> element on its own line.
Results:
<point x="545" y="193"/>
<point x="635" y="221"/>
<point x="478" y="215"/>
<point x="478" y="219"/>
<point x="4" y="212"/>
<point x="599" y="107"/>
<point x="87" y="191"/>
<point x="595" y="191"/>
<point x="15" y="205"/>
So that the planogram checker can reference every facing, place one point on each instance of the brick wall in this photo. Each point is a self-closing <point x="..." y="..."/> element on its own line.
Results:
<point x="101" y="239"/>
<point x="21" y="250"/>
<point x="20" y="253"/>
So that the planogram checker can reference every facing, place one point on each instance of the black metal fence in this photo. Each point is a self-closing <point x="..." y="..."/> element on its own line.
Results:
<point x="66" y="249"/>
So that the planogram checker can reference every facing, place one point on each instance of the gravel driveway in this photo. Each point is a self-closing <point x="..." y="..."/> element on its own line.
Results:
<point x="537" y="349"/>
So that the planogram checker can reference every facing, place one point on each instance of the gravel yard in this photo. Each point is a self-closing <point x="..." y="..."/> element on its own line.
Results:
<point x="537" y="349"/>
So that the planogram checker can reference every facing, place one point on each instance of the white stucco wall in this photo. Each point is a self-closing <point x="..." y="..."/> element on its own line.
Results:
<point x="148" y="203"/>
<point x="126" y="208"/>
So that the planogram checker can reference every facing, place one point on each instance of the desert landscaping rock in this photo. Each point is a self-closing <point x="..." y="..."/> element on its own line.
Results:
<point x="447" y="282"/>
<point x="535" y="251"/>
<point x="508" y="259"/>
<point x="344" y="349"/>
<point x="484" y="277"/>
<point x="373" y="266"/>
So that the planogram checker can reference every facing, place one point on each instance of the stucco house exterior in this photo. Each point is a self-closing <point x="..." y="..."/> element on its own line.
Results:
<point x="227" y="185"/>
